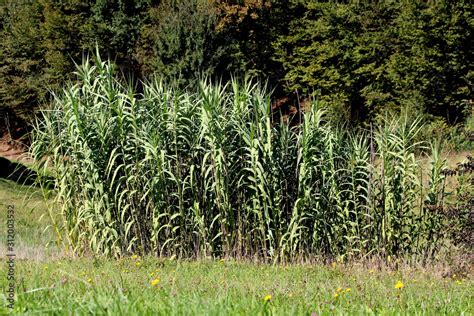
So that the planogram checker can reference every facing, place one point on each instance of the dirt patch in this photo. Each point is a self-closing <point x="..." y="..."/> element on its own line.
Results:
<point x="14" y="150"/>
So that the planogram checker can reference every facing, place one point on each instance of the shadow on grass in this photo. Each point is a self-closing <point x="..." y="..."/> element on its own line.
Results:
<point x="17" y="172"/>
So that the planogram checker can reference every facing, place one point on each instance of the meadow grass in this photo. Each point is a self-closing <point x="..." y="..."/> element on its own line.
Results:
<point x="124" y="287"/>
<point x="33" y="238"/>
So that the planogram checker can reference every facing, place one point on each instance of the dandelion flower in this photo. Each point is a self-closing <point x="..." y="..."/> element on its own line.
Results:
<point x="336" y="295"/>
<point x="137" y="263"/>
<point x="135" y="257"/>
<point x="348" y="290"/>
<point x="399" y="285"/>
<point x="89" y="280"/>
<point x="339" y="289"/>
<point x="267" y="298"/>
<point x="155" y="282"/>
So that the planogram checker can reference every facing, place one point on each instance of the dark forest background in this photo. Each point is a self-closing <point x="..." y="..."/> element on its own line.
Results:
<point x="360" y="59"/>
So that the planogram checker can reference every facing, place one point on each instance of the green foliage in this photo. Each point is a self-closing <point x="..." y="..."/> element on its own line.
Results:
<point x="60" y="39"/>
<point x="361" y="59"/>
<point x="371" y="57"/>
<point x="115" y="26"/>
<point x="204" y="172"/>
<point x="250" y="28"/>
<point x="42" y="39"/>
<point x="179" y="39"/>
<point x="21" y="58"/>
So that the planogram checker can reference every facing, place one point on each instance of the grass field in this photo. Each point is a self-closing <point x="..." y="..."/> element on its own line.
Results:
<point x="50" y="282"/>
<point x="33" y="238"/>
<point x="151" y="286"/>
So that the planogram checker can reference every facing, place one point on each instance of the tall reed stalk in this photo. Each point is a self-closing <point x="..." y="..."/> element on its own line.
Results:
<point x="205" y="172"/>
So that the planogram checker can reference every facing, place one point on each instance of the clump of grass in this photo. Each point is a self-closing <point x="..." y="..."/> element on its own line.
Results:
<point x="205" y="172"/>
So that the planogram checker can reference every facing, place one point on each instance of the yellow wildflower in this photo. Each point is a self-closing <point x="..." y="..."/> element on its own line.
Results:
<point x="371" y="271"/>
<point x="267" y="298"/>
<point x="135" y="257"/>
<point x="155" y="282"/>
<point x="333" y="264"/>
<point x="399" y="285"/>
<point x="348" y="290"/>
<point x="339" y="289"/>
<point x="137" y="263"/>
<point x="336" y="295"/>
<point x="89" y="280"/>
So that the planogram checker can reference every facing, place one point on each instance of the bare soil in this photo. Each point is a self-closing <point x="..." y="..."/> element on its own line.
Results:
<point x="14" y="150"/>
